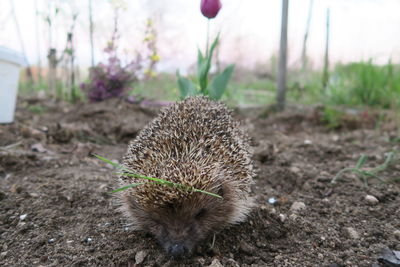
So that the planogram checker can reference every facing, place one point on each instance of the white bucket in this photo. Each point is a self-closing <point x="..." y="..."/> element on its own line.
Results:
<point x="10" y="65"/>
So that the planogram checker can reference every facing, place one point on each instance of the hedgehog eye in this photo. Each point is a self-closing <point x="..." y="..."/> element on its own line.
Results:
<point x="200" y="214"/>
<point x="221" y="191"/>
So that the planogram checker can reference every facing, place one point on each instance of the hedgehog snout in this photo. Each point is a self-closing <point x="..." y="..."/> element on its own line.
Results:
<point x="177" y="250"/>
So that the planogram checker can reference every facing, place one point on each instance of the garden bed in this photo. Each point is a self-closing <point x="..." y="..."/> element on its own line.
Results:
<point x="55" y="209"/>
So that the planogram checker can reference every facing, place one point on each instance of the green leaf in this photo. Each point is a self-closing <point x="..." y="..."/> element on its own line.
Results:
<point x="200" y="60"/>
<point x="186" y="87"/>
<point x="219" y="83"/>
<point x="212" y="48"/>
<point x="205" y="65"/>
<point x="125" y="187"/>
<point x="202" y="72"/>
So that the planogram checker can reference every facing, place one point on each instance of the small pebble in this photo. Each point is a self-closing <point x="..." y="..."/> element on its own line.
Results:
<point x="307" y="142"/>
<point x="297" y="206"/>
<point x="51" y="240"/>
<point x="295" y="169"/>
<point x="282" y="217"/>
<point x="232" y="263"/>
<point x="88" y="240"/>
<point x="246" y="248"/>
<point x="352" y="233"/>
<point x="140" y="256"/>
<point x="23" y="217"/>
<point x="215" y="263"/>
<point x="272" y="200"/>
<point x="370" y="199"/>
<point x="397" y="234"/>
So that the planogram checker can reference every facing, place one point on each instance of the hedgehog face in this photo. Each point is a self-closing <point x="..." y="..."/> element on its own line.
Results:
<point x="180" y="226"/>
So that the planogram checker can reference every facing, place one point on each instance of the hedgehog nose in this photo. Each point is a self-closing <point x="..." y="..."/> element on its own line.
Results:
<point x="177" y="250"/>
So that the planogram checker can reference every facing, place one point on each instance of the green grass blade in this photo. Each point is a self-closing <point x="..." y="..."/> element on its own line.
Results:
<point x="361" y="161"/>
<point x="130" y="173"/>
<point x="161" y="181"/>
<point x="340" y="173"/>
<point x="207" y="193"/>
<point x="125" y="187"/>
<point x="116" y="165"/>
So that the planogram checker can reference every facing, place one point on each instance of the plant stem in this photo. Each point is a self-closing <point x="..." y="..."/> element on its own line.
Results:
<point x="208" y="36"/>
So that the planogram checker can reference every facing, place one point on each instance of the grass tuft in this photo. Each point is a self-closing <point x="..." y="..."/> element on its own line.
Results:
<point x="366" y="174"/>
<point x="127" y="172"/>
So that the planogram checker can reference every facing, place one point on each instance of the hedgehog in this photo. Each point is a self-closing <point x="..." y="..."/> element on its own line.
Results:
<point x="198" y="144"/>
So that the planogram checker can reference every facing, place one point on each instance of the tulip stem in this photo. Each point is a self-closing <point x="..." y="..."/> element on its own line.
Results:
<point x="208" y="36"/>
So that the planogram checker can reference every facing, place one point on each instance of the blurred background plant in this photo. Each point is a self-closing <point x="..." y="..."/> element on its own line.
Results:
<point x="141" y="58"/>
<point x="112" y="79"/>
<point x="216" y="88"/>
<point x="115" y="78"/>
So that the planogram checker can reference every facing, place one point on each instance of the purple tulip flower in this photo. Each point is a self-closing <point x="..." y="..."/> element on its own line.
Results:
<point x="210" y="8"/>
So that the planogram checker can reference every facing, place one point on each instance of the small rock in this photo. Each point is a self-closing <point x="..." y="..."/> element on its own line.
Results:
<point x="51" y="240"/>
<point x="297" y="206"/>
<point x="140" y="256"/>
<point x="201" y="261"/>
<point x="352" y="233"/>
<point x="272" y="200"/>
<point x="232" y="263"/>
<point x="397" y="234"/>
<point x="370" y="199"/>
<point x="23" y="217"/>
<point x="38" y="148"/>
<point x="15" y="189"/>
<point x="215" y="263"/>
<point x="282" y="217"/>
<point x="294" y="169"/>
<point x="307" y="142"/>
<point x="88" y="240"/>
<point x="246" y="248"/>
<point x="33" y="194"/>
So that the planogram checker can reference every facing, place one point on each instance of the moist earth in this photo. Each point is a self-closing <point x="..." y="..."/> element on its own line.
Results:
<point x="55" y="209"/>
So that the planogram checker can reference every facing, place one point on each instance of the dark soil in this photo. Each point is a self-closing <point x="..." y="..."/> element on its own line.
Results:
<point x="55" y="210"/>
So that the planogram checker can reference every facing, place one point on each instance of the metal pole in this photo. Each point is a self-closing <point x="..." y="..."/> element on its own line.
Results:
<point x="282" y="72"/>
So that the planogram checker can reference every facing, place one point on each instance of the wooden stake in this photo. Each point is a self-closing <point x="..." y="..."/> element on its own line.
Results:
<point x="304" y="52"/>
<point x="325" y="76"/>
<point x="91" y="32"/>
